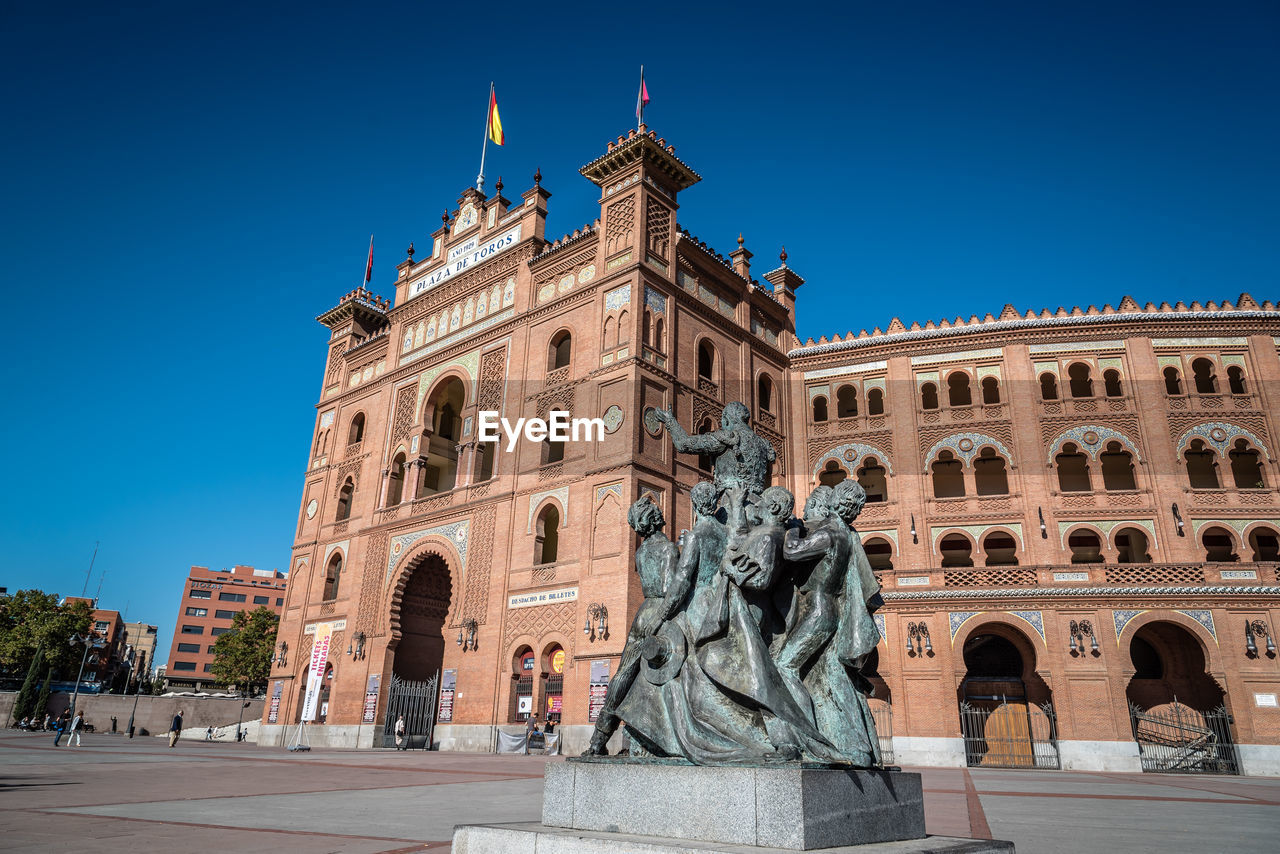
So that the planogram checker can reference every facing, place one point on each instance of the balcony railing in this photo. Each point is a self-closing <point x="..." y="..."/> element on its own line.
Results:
<point x="1155" y="575"/>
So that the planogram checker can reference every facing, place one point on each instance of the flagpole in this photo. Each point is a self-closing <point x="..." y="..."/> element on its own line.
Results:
<point x="485" y="145"/>
<point x="366" y="278"/>
<point x="640" y="99"/>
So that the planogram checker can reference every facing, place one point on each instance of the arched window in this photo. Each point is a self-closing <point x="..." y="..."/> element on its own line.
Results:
<point x="1246" y="466"/>
<point x="879" y="553"/>
<point x="1206" y="381"/>
<point x="1117" y="468"/>
<point x="1085" y="546"/>
<point x="764" y="393"/>
<point x="958" y="393"/>
<point x="1111" y="382"/>
<point x="706" y="361"/>
<point x="872" y="479"/>
<point x="875" y="402"/>
<point x="832" y="474"/>
<point x="846" y="401"/>
<point x="484" y="461"/>
<point x="1080" y="381"/>
<point x="1265" y="545"/>
<point x="1172" y="381"/>
<point x="990" y="475"/>
<point x="345" y="496"/>
<point x="552" y="451"/>
<point x="1001" y="549"/>
<point x="356" y="433"/>
<point x="1048" y="386"/>
<point x="1235" y="379"/>
<point x="1219" y="546"/>
<point x="442" y="412"/>
<point x="332" y="577"/>
<point x="990" y="390"/>
<point x="928" y="396"/>
<point x="1073" y="470"/>
<point x="395" y="481"/>
<point x="657" y="336"/>
<point x="819" y="409"/>
<point x="704" y="460"/>
<point x="956" y="550"/>
<point x="948" y="476"/>
<point x="624" y="328"/>
<point x="1131" y="546"/>
<point x="547" y="540"/>
<point x="560" y="351"/>
<point x="646" y="328"/>
<point x="610" y="333"/>
<point x="447" y="421"/>
<point x="1202" y="466"/>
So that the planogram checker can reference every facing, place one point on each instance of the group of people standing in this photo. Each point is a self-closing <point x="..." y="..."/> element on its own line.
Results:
<point x="753" y="632"/>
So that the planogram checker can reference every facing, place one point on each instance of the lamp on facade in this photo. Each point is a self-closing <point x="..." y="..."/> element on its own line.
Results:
<point x="597" y="623"/>
<point x="1177" y="518"/>
<point x="1260" y="629"/>
<point x="282" y="654"/>
<point x="1044" y="532"/>
<point x="914" y="538"/>
<point x="1078" y="631"/>
<point x="923" y="645"/>
<point x="356" y="648"/>
<point x="467" y="634"/>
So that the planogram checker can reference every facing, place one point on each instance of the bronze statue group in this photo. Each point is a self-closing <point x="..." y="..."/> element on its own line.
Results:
<point x="749" y="644"/>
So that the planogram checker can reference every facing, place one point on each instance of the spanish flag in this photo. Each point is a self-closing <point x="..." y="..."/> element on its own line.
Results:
<point x="495" y="123"/>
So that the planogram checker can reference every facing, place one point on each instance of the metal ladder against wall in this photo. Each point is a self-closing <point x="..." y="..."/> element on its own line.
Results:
<point x="417" y="702"/>
<point x="1181" y="740"/>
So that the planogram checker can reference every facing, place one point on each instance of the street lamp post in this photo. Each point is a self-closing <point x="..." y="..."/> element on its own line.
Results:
<point x="136" y="691"/>
<point x="89" y="643"/>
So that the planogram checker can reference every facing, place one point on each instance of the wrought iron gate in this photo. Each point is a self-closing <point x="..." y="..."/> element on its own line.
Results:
<point x="882" y="714"/>
<point x="1179" y="740"/>
<point x="1009" y="734"/>
<point x="417" y="702"/>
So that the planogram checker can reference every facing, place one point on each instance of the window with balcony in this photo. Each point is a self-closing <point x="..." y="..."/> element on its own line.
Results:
<point x="1172" y="381"/>
<point x="879" y="553"/>
<point x="1117" y="468"/>
<point x="958" y="392"/>
<point x="1001" y="549"/>
<point x="1085" y="546"/>
<point x="871" y="477"/>
<point x="332" y="578"/>
<point x="875" y="402"/>
<point x="547" y="535"/>
<point x="928" y="396"/>
<point x="355" y="433"/>
<point x="1265" y="545"/>
<point x="1219" y="545"/>
<point x="1048" y="387"/>
<point x="832" y="473"/>
<point x="1202" y="466"/>
<point x="1080" y="382"/>
<point x="1205" y="379"/>
<point x="956" y="550"/>
<point x="1131" y="546"/>
<point x="345" y="496"/>
<point x="990" y="390"/>
<point x="846" y="402"/>
<point x="1073" y="470"/>
<point x="990" y="473"/>
<point x="948" y="476"/>
<point x="1111" y="383"/>
<point x="819" y="409"/>
<point x="1246" y="466"/>
<point x="1235" y="379"/>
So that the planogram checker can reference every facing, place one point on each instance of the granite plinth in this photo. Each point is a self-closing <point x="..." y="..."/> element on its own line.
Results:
<point x="540" y="839"/>
<point x="792" y="808"/>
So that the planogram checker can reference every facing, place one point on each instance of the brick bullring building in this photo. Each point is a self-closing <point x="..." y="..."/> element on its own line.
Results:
<point x="1074" y="514"/>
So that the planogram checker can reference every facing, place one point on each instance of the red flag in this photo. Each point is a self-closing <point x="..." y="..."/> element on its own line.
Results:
<point x="642" y="97"/>
<point x="368" y="267"/>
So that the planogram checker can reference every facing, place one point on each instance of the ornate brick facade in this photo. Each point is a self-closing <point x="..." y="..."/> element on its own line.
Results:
<point x="1112" y="466"/>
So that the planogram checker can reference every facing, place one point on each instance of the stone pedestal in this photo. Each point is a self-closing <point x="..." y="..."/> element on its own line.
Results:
<point x="789" y="807"/>
<point x="619" y="805"/>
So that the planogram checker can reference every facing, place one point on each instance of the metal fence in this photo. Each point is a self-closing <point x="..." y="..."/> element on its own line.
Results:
<point x="1009" y="734"/>
<point x="417" y="702"/>
<point x="1177" y="739"/>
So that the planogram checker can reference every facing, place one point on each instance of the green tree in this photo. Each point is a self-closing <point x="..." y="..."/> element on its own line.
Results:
<point x="42" y="702"/>
<point x="242" y="656"/>
<point x="32" y="619"/>
<point x="26" y="699"/>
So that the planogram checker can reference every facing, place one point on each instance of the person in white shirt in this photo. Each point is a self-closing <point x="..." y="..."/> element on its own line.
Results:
<point x="75" y="730"/>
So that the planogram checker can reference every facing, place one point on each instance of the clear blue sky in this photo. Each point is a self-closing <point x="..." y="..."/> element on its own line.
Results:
<point x="186" y="185"/>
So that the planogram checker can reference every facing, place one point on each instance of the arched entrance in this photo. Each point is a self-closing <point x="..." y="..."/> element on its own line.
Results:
<point x="1177" y="710"/>
<point x="1006" y="709"/>
<point x="420" y="617"/>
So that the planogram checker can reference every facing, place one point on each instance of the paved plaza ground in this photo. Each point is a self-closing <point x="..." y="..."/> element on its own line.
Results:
<point x="114" y="795"/>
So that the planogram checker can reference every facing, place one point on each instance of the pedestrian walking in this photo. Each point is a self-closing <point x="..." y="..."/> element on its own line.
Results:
<point x="46" y="722"/>
<point x="402" y="743"/>
<point x="208" y="734"/>
<point x="60" y="726"/>
<point x="74" y="732"/>
<point x="175" y="728"/>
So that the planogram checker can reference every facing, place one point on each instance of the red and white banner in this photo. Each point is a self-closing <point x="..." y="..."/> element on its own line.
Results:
<point x="315" y="673"/>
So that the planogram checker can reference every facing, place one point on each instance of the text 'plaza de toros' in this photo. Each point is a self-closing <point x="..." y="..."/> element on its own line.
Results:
<point x="1074" y="514"/>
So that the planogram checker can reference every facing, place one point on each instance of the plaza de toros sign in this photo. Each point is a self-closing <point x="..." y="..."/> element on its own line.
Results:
<point x="462" y="256"/>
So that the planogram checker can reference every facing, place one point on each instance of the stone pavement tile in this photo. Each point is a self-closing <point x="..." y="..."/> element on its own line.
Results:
<point x="1073" y="825"/>
<point x="40" y="833"/>
<point x="946" y="814"/>
<point x="408" y="812"/>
